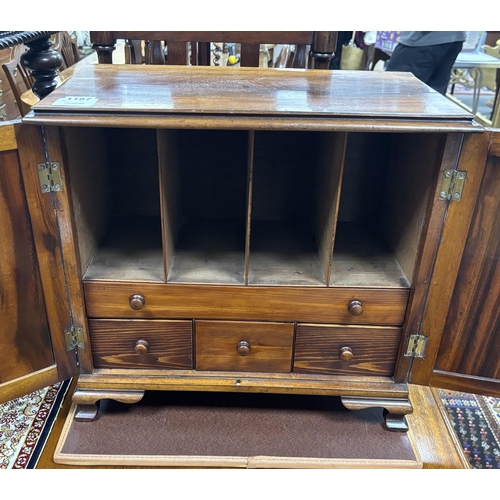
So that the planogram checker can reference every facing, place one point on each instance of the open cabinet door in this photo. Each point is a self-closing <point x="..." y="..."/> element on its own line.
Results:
<point x="31" y="356"/>
<point x="462" y="316"/>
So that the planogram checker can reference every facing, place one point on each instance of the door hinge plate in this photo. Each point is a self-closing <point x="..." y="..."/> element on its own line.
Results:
<point x="416" y="346"/>
<point x="452" y="185"/>
<point x="49" y="174"/>
<point x="74" y="338"/>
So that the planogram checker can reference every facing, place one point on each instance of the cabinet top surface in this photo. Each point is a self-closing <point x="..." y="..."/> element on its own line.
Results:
<point x="152" y="90"/>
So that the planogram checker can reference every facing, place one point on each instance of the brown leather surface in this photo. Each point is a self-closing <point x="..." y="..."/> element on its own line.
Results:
<point x="235" y="425"/>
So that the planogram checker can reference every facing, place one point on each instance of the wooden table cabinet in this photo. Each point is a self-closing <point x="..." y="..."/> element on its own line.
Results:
<point x="306" y="232"/>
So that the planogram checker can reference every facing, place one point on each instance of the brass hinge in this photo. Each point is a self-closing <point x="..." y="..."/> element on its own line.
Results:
<point x="416" y="346"/>
<point x="49" y="175"/>
<point x="74" y="338"/>
<point x="452" y="185"/>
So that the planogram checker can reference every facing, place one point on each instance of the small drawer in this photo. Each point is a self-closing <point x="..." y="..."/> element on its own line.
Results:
<point x="244" y="346"/>
<point x="346" y="350"/>
<point x="142" y="344"/>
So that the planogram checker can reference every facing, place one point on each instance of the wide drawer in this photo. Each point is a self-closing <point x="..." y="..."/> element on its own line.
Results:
<point x="247" y="303"/>
<point x="346" y="350"/>
<point x="244" y="346"/>
<point x="141" y="344"/>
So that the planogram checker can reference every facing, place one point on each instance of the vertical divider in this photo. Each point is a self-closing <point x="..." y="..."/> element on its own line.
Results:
<point x="170" y="192"/>
<point x="327" y="196"/>
<point x="251" y="144"/>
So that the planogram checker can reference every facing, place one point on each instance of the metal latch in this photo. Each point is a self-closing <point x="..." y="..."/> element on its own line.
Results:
<point x="452" y="185"/>
<point x="49" y="174"/>
<point x="416" y="346"/>
<point x="74" y="338"/>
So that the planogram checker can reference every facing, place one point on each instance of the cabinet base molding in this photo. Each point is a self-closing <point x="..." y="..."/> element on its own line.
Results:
<point x="395" y="409"/>
<point x="87" y="401"/>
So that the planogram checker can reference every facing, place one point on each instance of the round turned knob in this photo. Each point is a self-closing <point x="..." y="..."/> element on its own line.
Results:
<point x="141" y="347"/>
<point x="346" y="354"/>
<point x="355" y="307"/>
<point x="137" y="302"/>
<point x="243" y="348"/>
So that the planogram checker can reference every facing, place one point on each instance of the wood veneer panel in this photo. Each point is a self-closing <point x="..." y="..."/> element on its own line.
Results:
<point x="55" y="246"/>
<point x="251" y="91"/>
<point x="270" y="346"/>
<point x="170" y="344"/>
<point x="305" y="304"/>
<point x="471" y="339"/>
<point x="317" y="349"/>
<point x="24" y="333"/>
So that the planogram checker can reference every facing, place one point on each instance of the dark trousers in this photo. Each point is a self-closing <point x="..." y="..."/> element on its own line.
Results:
<point x="431" y="64"/>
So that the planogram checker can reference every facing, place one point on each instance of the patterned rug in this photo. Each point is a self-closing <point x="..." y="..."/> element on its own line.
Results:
<point x="25" y="424"/>
<point x="476" y="420"/>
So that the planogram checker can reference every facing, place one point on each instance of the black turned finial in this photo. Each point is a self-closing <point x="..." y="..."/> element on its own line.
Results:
<point x="43" y="63"/>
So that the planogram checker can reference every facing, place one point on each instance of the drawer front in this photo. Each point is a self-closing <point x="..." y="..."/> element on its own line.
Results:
<point x="346" y="350"/>
<point x="244" y="346"/>
<point x="247" y="303"/>
<point x="142" y="344"/>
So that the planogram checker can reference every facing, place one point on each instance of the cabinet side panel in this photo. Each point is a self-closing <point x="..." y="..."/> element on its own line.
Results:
<point x="24" y="335"/>
<point x="413" y="161"/>
<point x="85" y="149"/>
<point x="471" y="338"/>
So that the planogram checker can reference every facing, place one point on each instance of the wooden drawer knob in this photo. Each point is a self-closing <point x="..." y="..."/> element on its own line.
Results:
<point x="355" y="307"/>
<point x="141" y="347"/>
<point x="346" y="354"/>
<point x="243" y="348"/>
<point x="137" y="302"/>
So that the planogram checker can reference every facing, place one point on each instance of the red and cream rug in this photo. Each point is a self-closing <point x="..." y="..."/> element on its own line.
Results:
<point x="25" y="424"/>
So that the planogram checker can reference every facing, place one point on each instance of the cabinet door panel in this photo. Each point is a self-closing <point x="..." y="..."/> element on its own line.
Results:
<point x="25" y="345"/>
<point x="467" y="357"/>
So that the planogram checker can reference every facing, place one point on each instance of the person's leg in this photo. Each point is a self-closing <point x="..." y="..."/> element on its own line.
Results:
<point x="421" y="61"/>
<point x="440" y="77"/>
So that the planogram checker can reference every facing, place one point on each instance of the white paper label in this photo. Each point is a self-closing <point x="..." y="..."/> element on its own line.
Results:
<point x="75" y="101"/>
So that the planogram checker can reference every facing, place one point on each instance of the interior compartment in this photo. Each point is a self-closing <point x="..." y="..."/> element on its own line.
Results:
<point x="386" y="187"/>
<point x="116" y="201"/>
<point x="257" y="208"/>
<point x="296" y="180"/>
<point x="204" y="204"/>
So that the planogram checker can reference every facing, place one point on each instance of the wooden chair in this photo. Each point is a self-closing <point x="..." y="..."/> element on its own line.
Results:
<point x="66" y="46"/>
<point x="17" y="76"/>
<point x="175" y="44"/>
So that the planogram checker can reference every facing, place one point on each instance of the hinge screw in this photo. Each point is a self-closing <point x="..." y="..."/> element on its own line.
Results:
<point x="447" y="174"/>
<point x="456" y="196"/>
<point x="41" y="167"/>
<point x="461" y="175"/>
<point x="443" y="195"/>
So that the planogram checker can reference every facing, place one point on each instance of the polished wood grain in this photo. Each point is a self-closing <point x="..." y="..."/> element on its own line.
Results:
<point x="427" y="251"/>
<point x="279" y="383"/>
<point x="166" y="344"/>
<point x="325" y="349"/>
<point x="305" y="304"/>
<point x="470" y="344"/>
<point x="206" y="90"/>
<point x="24" y="332"/>
<point x="446" y="264"/>
<point x="43" y="210"/>
<point x="436" y="440"/>
<point x="244" y="346"/>
<point x="7" y="137"/>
